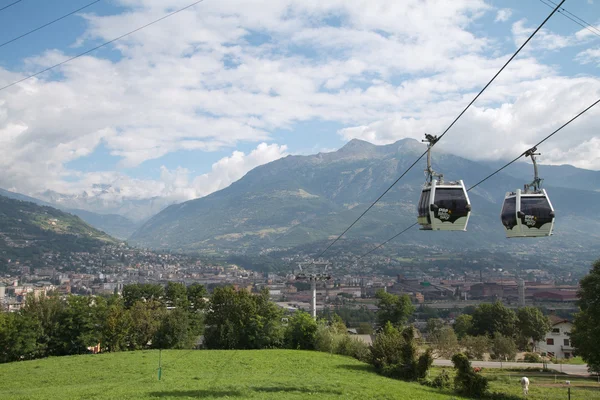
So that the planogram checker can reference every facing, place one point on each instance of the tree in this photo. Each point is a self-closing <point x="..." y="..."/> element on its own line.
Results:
<point x="532" y="324"/>
<point x="196" y="294"/>
<point x="476" y="346"/>
<point x="392" y="308"/>
<point x="18" y="337"/>
<point x="434" y="326"/>
<point x="504" y="347"/>
<point x="142" y="292"/>
<point x="463" y="325"/>
<point x="116" y="326"/>
<point x="240" y="320"/>
<point x="300" y="332"/>
<point x="146" y="317"/>
<point x="173" y="331"/>
<point x="491" y="318"/>
<point x="586" y="327"/>
<point x="444" y="341"/>
<point x="176" y="295"/>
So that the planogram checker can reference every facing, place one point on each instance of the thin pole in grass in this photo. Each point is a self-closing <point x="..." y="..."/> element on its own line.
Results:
<point x="159" y="363"/>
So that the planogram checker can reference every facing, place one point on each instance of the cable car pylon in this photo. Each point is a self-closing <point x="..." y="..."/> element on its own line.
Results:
<point x="313" y="277"/>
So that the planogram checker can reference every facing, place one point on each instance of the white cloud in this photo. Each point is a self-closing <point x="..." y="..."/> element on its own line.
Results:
<point x="506" y="130"/>
<point x="589" y="56"/>
<point x="503" y="15"/>
<point x="114" y="192"/>
<point x="544" y="39"/>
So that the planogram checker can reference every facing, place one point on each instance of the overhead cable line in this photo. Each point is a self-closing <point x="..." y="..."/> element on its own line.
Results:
<point x="11" y="4"/>
<point x="492" y="174"/>
<point x="579" y="21"/>
<point x="446" y="131"/>
<point x="102" y="45"/>
<point x="47" y="24"/>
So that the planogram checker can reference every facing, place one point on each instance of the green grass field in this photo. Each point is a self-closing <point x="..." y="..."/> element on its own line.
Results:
<point x="264" y="374"/>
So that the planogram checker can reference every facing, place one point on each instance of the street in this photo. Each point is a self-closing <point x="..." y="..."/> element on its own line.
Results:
<point x="566" y="368"/>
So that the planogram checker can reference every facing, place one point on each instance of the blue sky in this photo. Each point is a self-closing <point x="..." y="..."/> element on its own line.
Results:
<point x="198" y="93"/>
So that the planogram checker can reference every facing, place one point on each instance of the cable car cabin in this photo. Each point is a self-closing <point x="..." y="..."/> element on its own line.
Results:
<point x="444" y="207"/>
<point x="527" y="214"/>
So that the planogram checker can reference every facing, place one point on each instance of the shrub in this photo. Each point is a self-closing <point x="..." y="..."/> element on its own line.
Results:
<point x="532" y="358"/>
<point x="467" y="382"/>
<point x="442" y="381"/>
<point x="425" y="362"/>
<point x="386" y="349"/>
<point x="300" y="332"/>
<point x="352" y="347"/>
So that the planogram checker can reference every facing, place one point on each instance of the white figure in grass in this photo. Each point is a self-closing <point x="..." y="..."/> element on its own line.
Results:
<point x="525" y="385"/>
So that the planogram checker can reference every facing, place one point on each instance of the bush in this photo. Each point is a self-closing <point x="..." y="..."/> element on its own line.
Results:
<point x="352" y="347"/>
<point x="300" y="332"/>
<point x="442" y="381"/>
<point x="386" y="349"/>
<point x="467" y="382"/>
<point x="425" y="362"/>
<point x="532" y="358"/>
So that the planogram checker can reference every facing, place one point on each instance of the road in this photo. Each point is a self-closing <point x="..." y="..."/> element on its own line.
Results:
<point x="566" y="368"/>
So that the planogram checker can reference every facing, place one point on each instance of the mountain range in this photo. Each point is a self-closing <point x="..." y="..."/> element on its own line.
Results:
<point x="29" y="230"/>
<point x="115" y="225"/>
<point x="308" y="200"/>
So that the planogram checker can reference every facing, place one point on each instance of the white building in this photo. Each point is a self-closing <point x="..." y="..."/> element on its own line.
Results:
<point x="557" y="342"/>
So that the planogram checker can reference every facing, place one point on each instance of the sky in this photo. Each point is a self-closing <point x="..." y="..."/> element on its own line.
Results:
<point x="190" y="104"/>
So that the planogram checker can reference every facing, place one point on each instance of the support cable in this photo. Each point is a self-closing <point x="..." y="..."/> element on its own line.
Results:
<point x="102" y="45"/>
<point x="579" y="21"/>
<point x="47" y="24"/>
<point x="11" y="4"/>
<point x="492" y="174"/>
<point x="445" y="131"/>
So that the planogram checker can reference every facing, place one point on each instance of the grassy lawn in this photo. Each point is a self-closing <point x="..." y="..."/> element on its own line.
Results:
<point x="543" y="385"/>
<point x="572" y="360"/>
<point x="264" y="374"/>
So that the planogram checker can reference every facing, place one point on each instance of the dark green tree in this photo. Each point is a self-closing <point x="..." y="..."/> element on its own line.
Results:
<point x="300" y="332"/>
<point x="463" y="325"/>
<point x="18" y="337"/>
<point x="586" y="327"/>
<point x="491" y="318"/>
<point x="173" y="331"/>
<point x="393" y="308"/>
<point x="241" y="320"/>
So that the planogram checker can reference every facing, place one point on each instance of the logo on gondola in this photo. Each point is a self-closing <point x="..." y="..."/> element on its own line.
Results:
<point x="530" y="220"/>
<point x="444" y="214"/>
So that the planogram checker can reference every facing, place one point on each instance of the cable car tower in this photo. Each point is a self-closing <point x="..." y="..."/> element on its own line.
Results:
<point x="528" y="212"/>
<point x="310" y="273"/>
<point x="443" y="206"/>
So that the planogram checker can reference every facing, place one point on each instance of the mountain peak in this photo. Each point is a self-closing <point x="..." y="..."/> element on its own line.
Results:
<point x="357" y="145"/>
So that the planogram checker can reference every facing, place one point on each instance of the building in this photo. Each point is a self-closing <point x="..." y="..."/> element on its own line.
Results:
<point x="557" y="342"/>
